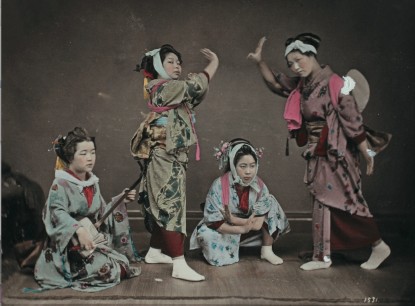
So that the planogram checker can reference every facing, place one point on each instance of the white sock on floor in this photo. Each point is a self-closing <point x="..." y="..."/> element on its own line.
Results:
<point x="315" y="265"/>
<point x="379" y="254"/>
<point x="183" y="271"/>
<point x="268" y="254"/>
<point x="156" y="256"/>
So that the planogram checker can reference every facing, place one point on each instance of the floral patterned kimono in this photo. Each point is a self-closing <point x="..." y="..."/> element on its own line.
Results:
<point x="163" y="140"/>
<point x="223" y="249"/>
<point x="60" y="265"/>
<point x="341" y="215"/>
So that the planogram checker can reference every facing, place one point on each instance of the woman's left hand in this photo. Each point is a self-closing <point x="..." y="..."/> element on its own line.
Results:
<point x="370" y="161"/>
<point x="213" y="64"/>
<point x="130" y="195"/>
<point x="370" y="165"/>
<point x="209" y="55"/>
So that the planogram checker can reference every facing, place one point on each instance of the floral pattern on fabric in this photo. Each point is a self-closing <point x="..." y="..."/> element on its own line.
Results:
<point x="60" y="265"/>
<point x="334" y="180"/>
<point x="165" y="148"/>
<point x="223" y="249"/>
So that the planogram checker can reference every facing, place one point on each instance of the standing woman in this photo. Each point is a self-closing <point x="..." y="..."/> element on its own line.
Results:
<point x="335" y="139"/>
<point x="73" y="196"/>
<point x="162" y="141"/>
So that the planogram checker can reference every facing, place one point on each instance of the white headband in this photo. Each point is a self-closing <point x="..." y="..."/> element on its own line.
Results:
<point x="298" y="44"/>
<point x="158" y="65"/>
<point x="232" y="154"/>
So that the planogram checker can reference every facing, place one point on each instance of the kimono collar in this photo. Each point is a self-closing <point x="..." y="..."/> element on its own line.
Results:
<point x="323" y="75"/>
<point x="292" y="111"/>
<point x="61" y="174"/>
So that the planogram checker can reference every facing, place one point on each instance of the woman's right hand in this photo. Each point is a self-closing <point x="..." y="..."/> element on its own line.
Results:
<point x="227" y="215"/>
<point x="85" y="239"/>
<point x="249" y="224"/>
<point x="257" y="55"/>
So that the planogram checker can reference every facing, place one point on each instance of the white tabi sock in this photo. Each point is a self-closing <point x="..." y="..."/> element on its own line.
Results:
<point x="156" y="256"/>
<point x="182" y="271"/>
<point x="316" y="265"/>
<point x="379" y="254"/>
<point x="268" y="254"/>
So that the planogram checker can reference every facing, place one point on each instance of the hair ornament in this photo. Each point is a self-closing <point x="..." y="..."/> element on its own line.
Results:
<point x="259" y="152"/>
<point x="147" y="74"/>
<point x="57" y="147"/>
<point x="222" y="152"/>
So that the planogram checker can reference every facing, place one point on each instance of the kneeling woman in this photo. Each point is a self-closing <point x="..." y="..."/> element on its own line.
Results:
<point x="239" y="210"/>
<point x="74" y="195"/>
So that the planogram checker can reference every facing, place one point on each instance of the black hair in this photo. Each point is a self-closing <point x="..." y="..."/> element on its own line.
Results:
<point x="246" y="149"/>
<point x="147" y="61"/>
<point x="307" y="38"/>
<point x="65" y="147"/>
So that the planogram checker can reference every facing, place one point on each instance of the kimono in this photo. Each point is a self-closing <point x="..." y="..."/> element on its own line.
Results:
<point x="162" y="141"/>
<point x="334" y="130"/>
<point x="223" y="249"/>
<point x="60" y="265"/>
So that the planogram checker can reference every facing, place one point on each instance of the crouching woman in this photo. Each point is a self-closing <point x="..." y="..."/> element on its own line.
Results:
<point x="239" y="210"/>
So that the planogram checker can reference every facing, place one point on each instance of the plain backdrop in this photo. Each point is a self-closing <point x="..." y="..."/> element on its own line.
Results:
<point x="68" y="63"/>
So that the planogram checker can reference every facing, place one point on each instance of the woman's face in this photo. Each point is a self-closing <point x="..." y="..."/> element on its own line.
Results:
<point x="172" y="66"/>
<point x="84" y="159"/>
<point x="246" y="168"/>
<point x="302" y="65"/>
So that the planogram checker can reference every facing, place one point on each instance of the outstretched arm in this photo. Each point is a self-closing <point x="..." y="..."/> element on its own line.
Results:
<point x="265" y="71"/>
<point x="213" y="64"/>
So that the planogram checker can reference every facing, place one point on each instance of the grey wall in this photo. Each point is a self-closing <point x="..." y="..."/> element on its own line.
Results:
<point x="70" y="63"/>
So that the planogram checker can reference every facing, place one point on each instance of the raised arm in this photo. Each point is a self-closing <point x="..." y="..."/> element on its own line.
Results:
<point x="213" y="64"/>
<point x="265" y="71"/>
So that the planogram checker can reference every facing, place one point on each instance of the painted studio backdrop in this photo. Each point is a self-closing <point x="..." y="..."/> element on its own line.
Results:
<point x="70" y="63"/>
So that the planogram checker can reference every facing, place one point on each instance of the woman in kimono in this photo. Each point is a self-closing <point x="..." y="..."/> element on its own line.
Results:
<point x="239" y="210"/>
<point x="335" y="139"/>
<point x="162" y="141"/>
<point x="70" y="256"/>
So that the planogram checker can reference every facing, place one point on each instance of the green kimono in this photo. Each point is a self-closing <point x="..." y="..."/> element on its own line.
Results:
<point x="163" y="140"/>
<point x="60" y="265"/>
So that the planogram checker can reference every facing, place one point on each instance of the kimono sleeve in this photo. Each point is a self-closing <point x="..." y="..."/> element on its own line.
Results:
<point x="213" y="203"/>
<point x="263" y="205"/>
<point x="287" y="84"/>
<point x="59" y="224"/>
<point x="192" y="90"/>
<point x="351" y="119"/>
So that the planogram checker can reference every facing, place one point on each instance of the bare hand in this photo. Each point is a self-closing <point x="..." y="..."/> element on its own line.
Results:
<point x="85" y="239"/>
<point x="370" y="165"/>
<point x="227" y="214"/>
<point x="249" y="223"/>
<point x="209" y="55"/>
<point x="257" y="55"/>
<point x="130" y="195"/>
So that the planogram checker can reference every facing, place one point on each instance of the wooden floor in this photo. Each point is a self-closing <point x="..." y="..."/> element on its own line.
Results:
<point x="249" y="282"/>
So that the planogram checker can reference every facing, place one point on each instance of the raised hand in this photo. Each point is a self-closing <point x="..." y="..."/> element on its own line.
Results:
<point x="213" y="61"/>
<point x="257" y="55"/>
